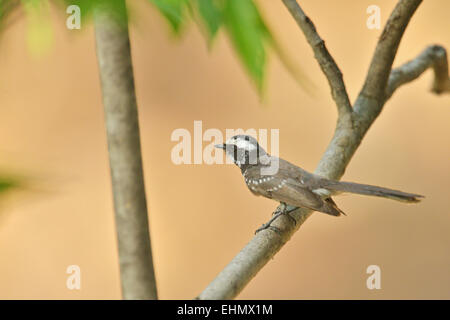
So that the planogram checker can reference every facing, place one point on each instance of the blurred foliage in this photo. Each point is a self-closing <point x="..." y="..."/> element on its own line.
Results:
<point x="39" y="31"/>
<point x="7" y="184"/>
<point x="211" y="15"/>
<point x="6" y="8"/>
<point x="245" y="26"/>
<point x="241" y="20"/>
<point x="173" y="10"/>
<point x="249" y="35"/>
<point x="87" y="7"/>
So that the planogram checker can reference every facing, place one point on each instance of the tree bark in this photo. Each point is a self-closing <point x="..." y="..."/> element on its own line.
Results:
<point x="122" y="128"/>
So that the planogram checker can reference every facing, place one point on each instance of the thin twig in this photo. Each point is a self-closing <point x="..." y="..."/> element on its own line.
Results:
<point x="371" y="99"/>
<point x="432" y="57"/>
<point x="325" y="60"/>
<point x="381" y="64"/>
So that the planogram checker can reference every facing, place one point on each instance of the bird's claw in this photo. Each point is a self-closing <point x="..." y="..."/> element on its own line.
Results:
<point x="291" y="217"/>
<point x="267" y="226"/>
<point x="276" y="214"/>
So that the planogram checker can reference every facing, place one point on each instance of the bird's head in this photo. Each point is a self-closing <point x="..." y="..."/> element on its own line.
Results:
<point x="243" y="149"/>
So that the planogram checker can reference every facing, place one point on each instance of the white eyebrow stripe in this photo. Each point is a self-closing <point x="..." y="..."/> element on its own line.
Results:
<point x="242" y="144"/>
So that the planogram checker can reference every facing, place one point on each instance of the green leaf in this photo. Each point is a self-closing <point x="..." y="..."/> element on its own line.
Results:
<point x="87" y="8"/>
<point x="173" y="10"/>
<point x="39" y="32"/>
<point x="6" y="7"/>
<point x="7" y="184"/>
<point x="211" y="15"/>
<point x="248" y="34"/>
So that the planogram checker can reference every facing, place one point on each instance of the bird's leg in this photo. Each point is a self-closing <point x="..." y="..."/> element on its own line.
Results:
<point x="276" y="214"/>
<point x="267" y="225"/>
<point x="287" y="212"/>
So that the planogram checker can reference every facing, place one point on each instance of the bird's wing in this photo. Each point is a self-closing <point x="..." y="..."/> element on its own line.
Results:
<point x="289" y="189"/>
<point x="307" y="179"/>
<point x="295" y="195"/>
<point x="299" y="176"/>
<point x="285" y="189"/>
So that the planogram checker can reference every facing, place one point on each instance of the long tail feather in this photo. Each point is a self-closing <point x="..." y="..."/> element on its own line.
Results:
<point x="373" y="191"/>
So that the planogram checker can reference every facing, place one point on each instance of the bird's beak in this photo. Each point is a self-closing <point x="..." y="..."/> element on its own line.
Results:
<point x="221" y="146"/>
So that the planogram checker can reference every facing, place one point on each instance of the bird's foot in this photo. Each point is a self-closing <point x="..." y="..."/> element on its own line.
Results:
<point x="266" y="226"/>
<point x="287" y="212"/>
<point x="291" y="217"/>
<point x="276" y="214"/>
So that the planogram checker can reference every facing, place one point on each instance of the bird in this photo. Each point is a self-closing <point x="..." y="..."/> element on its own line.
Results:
<point x="292" y="185"/>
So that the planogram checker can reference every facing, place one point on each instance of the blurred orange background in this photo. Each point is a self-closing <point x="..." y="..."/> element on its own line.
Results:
<point x="52" y="131"/>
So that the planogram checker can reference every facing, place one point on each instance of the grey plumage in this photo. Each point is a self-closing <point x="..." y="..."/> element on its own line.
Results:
<point x="293" y="185"/>
<point x="370" y="190"/>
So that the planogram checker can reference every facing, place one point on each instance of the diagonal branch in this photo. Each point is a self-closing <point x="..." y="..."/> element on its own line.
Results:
<point x="386" y="49"/>
<point x="433" y="56"/>
<point x="371" y="99"/>
<point x="323" y="57"/>
<point x="264" y="245"/>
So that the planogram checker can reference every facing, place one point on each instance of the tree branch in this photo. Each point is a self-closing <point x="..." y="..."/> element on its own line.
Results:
<point x="325" y="60"/>
<point x="116" y="72"/>
<point x="371" y="99"/>
<point x="386" y="49"/>
<point x="433" y="56"/>
<point x="346" y="139"/>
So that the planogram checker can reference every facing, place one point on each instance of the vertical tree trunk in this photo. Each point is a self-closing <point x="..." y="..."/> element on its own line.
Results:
<point x="116" y="73"/>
